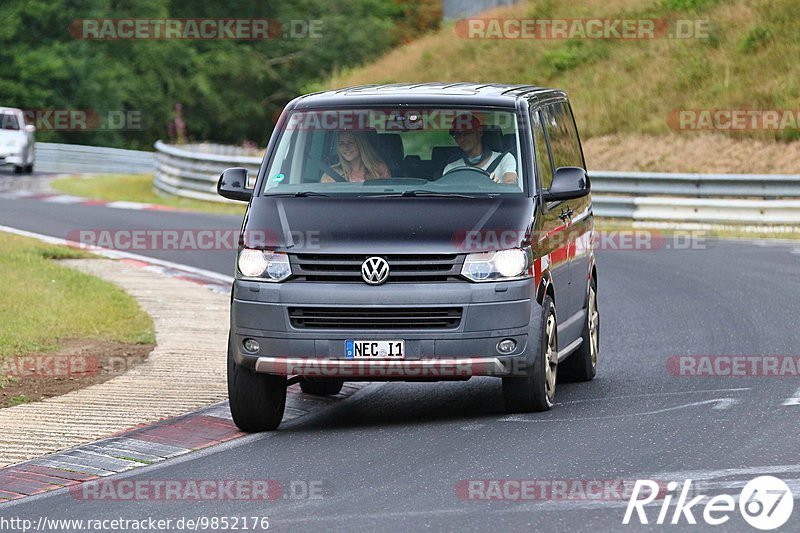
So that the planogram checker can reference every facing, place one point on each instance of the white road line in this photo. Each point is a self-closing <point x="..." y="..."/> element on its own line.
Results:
<point x="128" y="205"/>
<point x="65" y="199"/>
<point x="719" y="403"/>
<point x="794" y="400"/>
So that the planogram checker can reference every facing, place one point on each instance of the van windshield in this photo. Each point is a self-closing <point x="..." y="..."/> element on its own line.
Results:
<point x="400" y="151"/>
<point x="8" y="121"/>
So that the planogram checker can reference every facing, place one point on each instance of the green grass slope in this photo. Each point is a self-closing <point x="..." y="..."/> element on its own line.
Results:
<point x="747" y="61"/>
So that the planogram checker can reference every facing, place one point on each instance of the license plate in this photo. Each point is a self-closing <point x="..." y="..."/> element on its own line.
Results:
<point x="374" y="349"/>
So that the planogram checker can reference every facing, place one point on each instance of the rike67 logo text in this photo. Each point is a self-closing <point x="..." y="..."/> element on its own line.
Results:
<point x="765" y="503"/>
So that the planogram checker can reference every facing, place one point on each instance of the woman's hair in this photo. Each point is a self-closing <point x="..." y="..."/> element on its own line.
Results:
<point x="375" y="166"/>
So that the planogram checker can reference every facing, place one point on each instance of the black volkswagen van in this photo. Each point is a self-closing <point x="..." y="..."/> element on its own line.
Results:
<point x="414" y="232"/>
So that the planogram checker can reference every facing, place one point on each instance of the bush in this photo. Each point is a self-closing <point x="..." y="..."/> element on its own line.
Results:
<point x="756" y="38"/>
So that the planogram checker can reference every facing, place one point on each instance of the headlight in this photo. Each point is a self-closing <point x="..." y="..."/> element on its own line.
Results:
<point x="502" y="265"/>
<point x="262" y="264"/>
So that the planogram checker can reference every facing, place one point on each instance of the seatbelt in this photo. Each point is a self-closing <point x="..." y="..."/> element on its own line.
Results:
<point x="330" y="172"/>
<point x="491" y="168"/>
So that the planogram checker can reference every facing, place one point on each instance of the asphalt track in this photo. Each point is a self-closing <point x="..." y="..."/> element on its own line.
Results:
<point x="393" y="456"/>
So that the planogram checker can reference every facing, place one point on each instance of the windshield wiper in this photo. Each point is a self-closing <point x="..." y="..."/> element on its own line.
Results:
<point x="421" y="192"/>
<point x="300" y="194"/>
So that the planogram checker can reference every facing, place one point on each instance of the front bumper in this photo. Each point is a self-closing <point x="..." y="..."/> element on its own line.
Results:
<point x="491" y="312"/>
<point x="13" y="155"/>
<point x="377" y="369"/>
<point x="11" y="158"/>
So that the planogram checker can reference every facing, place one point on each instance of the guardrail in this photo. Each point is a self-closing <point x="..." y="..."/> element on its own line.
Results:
<point x="710" y="198"/>
<point x="194" y="172"/>
<point x="696" y="185"/>
<point x="80" y="159"/>
<point x="645" y="196"/>
<point x="455" y="9"/>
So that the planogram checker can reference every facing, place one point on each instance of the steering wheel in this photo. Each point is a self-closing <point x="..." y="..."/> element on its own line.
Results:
<point x="448" y="176"/>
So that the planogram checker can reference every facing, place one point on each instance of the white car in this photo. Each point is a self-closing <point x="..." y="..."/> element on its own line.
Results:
<point x="17" y="143"/>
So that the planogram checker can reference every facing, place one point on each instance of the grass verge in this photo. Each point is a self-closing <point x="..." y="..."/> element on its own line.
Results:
<point x="137" y="188"/>
<point x="43" y="303"/>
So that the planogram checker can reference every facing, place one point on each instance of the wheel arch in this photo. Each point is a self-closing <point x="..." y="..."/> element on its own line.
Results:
<point x="545" y="288"/>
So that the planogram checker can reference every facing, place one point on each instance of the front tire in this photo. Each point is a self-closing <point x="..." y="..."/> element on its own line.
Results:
<point x="324" y="387"/>
<point x="257" y="401"/>
<point x="582" y="364"/>
<point x="537" y="389"/>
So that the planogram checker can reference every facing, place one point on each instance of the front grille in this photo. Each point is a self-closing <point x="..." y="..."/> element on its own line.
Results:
<point x="403" y="268"/>
<point x="375" y="318"/>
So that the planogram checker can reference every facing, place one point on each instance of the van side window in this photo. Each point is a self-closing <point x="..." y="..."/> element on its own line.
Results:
<point x="562" y="135"/>
<point x="540" y="147"/>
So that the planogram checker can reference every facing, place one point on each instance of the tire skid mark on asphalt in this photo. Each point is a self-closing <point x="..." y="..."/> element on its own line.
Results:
<point x="794" y="400"/>
<point x="718" y="403"/>
<point x="711" y="483"/>
<point x="653" y="395"/>
<point x="768" y="243"/>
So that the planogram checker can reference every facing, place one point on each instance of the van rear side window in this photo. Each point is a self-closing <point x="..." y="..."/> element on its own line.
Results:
<point x="543" y="164"/>
<point x="563" y="136"/>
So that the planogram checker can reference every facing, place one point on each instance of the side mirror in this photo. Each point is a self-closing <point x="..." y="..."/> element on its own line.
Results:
<point x="29" y="128"/>
<point x="233" y="184"/>
<point x="568" y="183"/>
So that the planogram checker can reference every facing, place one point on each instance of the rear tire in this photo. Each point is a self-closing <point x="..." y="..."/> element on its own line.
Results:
<point x="536" y="390"/>
<point x="29" y="169"/>
<point x="582" y="364"/>
<point x="327" y="387"/>
<point x="257" y="401"/>
<point x="18" y="169"/>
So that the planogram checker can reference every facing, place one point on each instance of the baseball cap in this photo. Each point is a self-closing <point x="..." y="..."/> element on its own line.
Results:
<point x="465" y="122"/>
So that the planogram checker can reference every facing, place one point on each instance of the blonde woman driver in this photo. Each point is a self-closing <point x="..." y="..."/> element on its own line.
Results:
<point x="358" y="160"/>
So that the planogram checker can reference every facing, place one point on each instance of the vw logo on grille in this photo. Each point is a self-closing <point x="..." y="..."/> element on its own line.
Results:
<point x="375" y="270"/>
